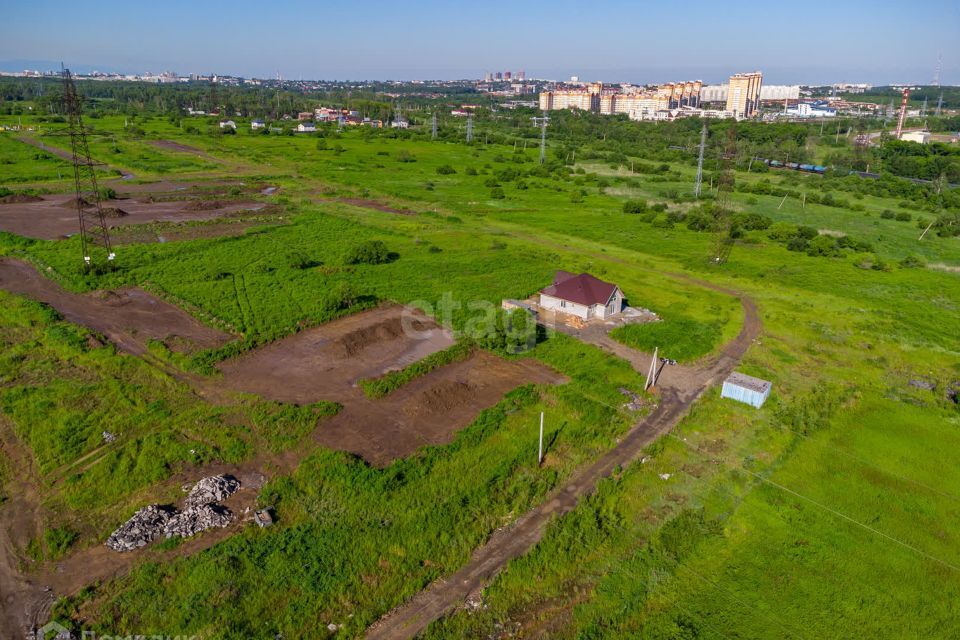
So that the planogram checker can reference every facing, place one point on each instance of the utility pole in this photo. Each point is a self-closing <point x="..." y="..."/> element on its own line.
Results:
<point x="652" y="371"/>
<point x="542" y="121"/>
<point x="469" y="128"/>
<point x="540" y="450"/>
<point x="433" y="130"/>
<point x="703" y="144"/>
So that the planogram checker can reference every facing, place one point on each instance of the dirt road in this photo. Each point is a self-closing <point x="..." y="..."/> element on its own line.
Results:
<point x="442" y="596"/>
<point x="67" y="155"/>
<point x="128" y="317"/>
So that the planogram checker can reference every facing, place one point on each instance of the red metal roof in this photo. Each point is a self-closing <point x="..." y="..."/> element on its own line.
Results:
<point x="582" y="289"/>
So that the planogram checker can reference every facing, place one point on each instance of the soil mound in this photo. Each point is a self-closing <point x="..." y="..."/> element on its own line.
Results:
<point x="203" y="205"/>
<point x="114" y="212"/>
<point x="443" y="397"/>
<point x="72" y="203"/>
<point x="359" y="339"/>
<point x="19" y="198"/>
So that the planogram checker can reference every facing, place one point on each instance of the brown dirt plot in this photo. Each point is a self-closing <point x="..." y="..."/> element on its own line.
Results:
<point x="55" y="217"/>
<point x="128" y="317"/>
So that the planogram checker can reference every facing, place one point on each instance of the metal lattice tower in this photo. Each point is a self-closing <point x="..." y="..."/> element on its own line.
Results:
<point x="542" y="121"/>
<point x="936" y="74"/>
<point x="903" y="111"/>
<point x="703" y="145"/>
<point x="469" y="128"/>
<point x="433" y="127"/>
<point x="93" y="226"/>
<point x="721" y="205"/>
<point x="923" y="109"/>
<point x="939" y="104"/>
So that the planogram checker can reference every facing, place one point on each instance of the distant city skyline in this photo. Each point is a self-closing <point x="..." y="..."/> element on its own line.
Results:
<point x="875" y="42"/>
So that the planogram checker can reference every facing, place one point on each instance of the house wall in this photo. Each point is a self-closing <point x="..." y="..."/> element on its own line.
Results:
<point x="564" y="306"/>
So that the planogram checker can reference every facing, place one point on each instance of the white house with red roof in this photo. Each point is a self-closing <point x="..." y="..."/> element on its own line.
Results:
<point x="583" y="296"/>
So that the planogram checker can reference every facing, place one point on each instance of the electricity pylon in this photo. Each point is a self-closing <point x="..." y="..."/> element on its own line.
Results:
<point x="469" y="128"/>
<point x="433" y="128"/>
<point x="703" y="144"/>
<point x="542" y="121"/>
<point x="93" y="226"/>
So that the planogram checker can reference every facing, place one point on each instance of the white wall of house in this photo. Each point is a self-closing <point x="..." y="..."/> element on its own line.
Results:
<point x="564" y="306"/>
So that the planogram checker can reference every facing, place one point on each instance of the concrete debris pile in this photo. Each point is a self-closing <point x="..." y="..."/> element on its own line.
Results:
<point x="196" y="519"/>
<point x="141" y="529"/>
<point x="201" y="512"/>
<point x="212" y="490"/>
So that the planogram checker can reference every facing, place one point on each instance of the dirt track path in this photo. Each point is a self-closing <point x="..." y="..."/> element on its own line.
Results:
<point x="408" y="620"/>
<point x="66" y="155"/>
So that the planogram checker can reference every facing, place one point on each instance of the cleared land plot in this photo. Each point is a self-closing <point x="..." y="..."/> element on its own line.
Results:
<point x="430" y="409"/>
<point x="324" y="363"/>
<point x="128" y="317"/>
<point x="53" y="217"/>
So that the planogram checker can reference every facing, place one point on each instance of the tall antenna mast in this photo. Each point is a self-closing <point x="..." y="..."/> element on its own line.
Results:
<point x="469" y="128"/>
<point x="703" y="144"/>
<point x="93" y="226"/>
<point x="433" y="127"/>
<point x="542" y="121"/>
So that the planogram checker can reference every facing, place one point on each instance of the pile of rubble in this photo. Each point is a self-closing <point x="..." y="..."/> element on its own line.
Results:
<point x="212" y="490"/>
<point x="201" y="512"/>
<point x="141" y="529"/>
<point x="196" y="519"/>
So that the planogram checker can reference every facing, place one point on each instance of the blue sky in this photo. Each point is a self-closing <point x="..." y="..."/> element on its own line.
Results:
<point x="791" y="42"/>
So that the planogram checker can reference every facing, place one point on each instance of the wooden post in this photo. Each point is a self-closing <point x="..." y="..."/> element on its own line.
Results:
<point x="540" y="450"/>
<point x="652" y="370"/>
<point x="782" y="201"/>
<point x="804" y="204"/>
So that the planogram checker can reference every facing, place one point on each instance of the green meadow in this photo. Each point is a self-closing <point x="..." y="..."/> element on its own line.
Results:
<point x="830" y="512"/>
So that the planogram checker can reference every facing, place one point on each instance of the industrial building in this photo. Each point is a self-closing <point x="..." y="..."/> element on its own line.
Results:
<point x="743" y="94"/>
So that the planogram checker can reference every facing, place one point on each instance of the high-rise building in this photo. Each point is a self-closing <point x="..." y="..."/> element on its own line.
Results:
<point x="521" y="75"/>
<point x="743" y="94"/>
<point x="507" y="75"/>
<point x="488" y="77"/>
<point x="499" y="76"/>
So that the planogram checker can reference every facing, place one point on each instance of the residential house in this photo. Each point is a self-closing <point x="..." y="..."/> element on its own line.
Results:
<point x="583" y="296"/>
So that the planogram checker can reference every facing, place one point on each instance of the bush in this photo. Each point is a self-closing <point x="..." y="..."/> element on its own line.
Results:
<point x="903" y="216"/>
<point x="405" y="156"/>
<point x="470" y="171"/>
<point x="497" y="193"/>
<point x="634" y="206"/>
<point x="822" y="245"/>
<point x="445" y="170"/>
<point x="886" y="214"/>
<point x="912" y="262"/>
<point x="369" y="252"/>
<point x="782" y="231"/>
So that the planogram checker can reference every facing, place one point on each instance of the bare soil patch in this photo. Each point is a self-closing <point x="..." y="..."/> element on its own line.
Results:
<point x="19" y="198"/>
<point x="170" y="145"/>
<point x="128" y="317"/>
<point x="430" y="409"/>
<point x="379" y="206"/>
<point x="55" y="217"/>
<point x="325" y="362"/>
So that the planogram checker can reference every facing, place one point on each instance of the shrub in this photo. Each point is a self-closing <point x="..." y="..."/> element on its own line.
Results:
<point x="912" y="262"/>
<point x="470" y="171"/>
<point x="886" y="214"/>
<point x="405" y="156"/>
<point x="445" y="170"/>
<point x="634" y="206"/>
<point x="497" y="193"/>
<point x="369" y="252"/>
<point x="822" y="245"/>
<point x="903" y="216"/>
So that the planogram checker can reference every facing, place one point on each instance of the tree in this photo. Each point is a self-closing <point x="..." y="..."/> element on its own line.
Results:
<point x="369" y="252"/>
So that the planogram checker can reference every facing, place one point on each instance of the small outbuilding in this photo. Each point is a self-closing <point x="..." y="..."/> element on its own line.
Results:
<point x="583" y="296"/>
<point x="746" y="389"/>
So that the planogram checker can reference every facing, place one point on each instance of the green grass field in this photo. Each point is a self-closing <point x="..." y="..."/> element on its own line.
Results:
<point x="831" y="512"/>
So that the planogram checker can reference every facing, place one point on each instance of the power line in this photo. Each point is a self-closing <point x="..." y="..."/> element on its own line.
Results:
<point x="834" y="511"/>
